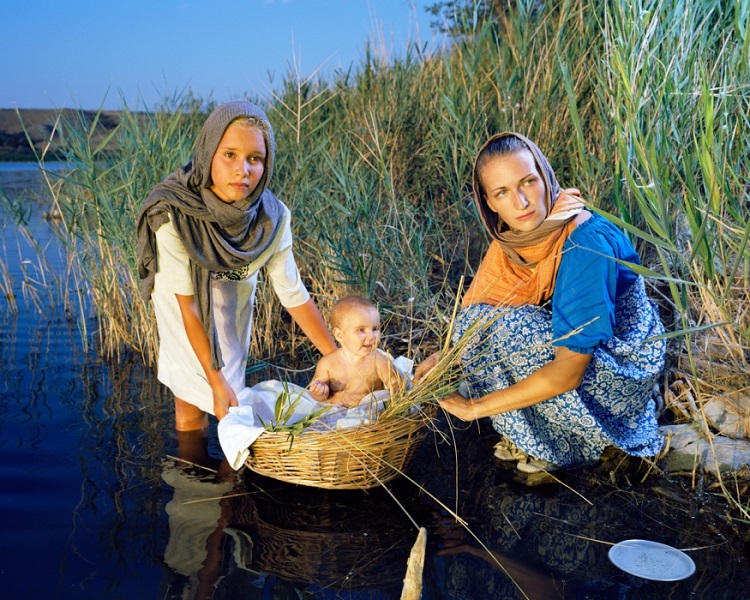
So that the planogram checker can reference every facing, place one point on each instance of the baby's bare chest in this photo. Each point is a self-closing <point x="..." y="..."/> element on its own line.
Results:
<point x="362" y="379"/>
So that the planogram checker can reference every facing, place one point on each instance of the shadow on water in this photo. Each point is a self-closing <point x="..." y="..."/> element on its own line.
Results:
<point x="94" y="503"/>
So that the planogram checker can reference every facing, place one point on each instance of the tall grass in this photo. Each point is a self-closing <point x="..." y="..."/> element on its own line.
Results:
<point x="674" y="96"/>
<point x="97" y="202"/>
<point x="42" y="287"/>
<point x="643" y="105"/>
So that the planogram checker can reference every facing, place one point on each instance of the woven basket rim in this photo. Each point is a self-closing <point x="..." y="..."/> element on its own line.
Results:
<point x="425" y="413"/>
<point x="359" y="457"/>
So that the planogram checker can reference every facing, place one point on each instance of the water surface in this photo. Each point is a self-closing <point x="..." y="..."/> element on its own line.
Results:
<point x="95" y="503"/>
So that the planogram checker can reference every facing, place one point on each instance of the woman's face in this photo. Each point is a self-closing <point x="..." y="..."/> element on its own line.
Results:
<point x="515" y="190"/>
<point x="238" y="164"/>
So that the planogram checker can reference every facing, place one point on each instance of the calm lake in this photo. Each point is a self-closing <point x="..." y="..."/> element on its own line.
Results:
<point x="96" y="503"/>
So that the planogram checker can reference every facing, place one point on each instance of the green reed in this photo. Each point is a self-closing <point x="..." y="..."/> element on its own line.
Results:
<point x="674" y="95"/>
<point x="97" y="202"/>
<point x="672" y="100"/>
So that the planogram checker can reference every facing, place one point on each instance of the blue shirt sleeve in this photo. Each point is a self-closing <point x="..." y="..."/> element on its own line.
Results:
<point x="588" y="284"/>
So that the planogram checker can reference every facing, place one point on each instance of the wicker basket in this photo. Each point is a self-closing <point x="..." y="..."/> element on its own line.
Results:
<point x="355" y="458"/>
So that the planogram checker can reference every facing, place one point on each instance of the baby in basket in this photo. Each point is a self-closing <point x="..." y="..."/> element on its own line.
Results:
<point x="358" y="367"/>
<point x="357" y="379"/>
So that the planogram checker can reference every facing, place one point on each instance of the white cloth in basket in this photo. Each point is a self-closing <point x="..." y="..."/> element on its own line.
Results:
<point x="241" y="427"/>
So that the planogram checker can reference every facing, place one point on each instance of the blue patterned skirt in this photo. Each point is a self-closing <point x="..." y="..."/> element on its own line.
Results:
<point x="611" y="407"/>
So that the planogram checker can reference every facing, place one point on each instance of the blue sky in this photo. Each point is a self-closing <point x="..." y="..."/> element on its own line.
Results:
<point x="86" y="54"/>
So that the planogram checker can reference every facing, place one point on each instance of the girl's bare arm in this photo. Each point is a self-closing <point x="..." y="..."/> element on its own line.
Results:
<point x="308" y="317"/>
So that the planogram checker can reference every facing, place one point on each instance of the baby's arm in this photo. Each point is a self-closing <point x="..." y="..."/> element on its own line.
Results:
<point x="319" y="386"/>
<point x="392" y="380"/>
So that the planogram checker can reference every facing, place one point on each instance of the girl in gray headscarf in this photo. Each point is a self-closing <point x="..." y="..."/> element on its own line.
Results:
<point x="203" y="234"/>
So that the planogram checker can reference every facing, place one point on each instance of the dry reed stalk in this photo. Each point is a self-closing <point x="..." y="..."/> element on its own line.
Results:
<point x="724" y="343"/>
<point x="412" y="589"/>
<point x="6" y="287"/>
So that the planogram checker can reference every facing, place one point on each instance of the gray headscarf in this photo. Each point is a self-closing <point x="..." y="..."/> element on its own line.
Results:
<point x="218" y="236"/>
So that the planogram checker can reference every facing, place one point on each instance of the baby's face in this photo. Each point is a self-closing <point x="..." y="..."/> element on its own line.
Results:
<point x="238" y="164"/>
<point x="359" y="332"/>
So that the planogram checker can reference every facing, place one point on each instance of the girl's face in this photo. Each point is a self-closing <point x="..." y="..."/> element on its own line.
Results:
<point x="359" y="332"/>
<point x="238" y="164"/>
<point x="514" y="189"/>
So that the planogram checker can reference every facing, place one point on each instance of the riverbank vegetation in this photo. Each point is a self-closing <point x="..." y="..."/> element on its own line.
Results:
<point x="645" y="106"/>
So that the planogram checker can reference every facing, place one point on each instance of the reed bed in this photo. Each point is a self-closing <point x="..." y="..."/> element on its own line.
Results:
<point x="6" y="288"/>
<point x="642" y="105"/>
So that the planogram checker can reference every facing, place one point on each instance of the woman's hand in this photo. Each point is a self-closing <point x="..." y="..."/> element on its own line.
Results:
<point x="558" y="376"/>
<point x="425" y="367"/>
<point x="460" y="407"/>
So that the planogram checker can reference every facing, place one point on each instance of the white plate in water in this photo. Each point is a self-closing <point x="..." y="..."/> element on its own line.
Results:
<point x="651" y="560"/>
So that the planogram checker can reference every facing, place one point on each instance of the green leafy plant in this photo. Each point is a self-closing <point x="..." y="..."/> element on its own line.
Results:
<point x="284" y="410"/>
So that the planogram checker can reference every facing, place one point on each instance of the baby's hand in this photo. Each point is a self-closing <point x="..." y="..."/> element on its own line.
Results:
<point x="319" y="390"/>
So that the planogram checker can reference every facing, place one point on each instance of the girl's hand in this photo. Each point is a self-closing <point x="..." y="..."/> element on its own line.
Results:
<point x="460" y="407"/>
<point x="224" y="395"/>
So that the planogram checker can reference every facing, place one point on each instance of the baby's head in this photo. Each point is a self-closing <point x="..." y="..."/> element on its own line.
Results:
<point x="356" y="324"/>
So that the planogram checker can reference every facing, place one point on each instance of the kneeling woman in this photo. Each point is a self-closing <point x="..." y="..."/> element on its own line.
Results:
<point x="562" y="355"/>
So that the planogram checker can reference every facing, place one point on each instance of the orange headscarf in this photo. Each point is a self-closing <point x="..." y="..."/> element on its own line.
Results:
<point x="521" y="267"/>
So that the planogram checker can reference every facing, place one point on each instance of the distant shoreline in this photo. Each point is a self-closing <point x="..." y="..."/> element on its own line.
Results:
<point x="38" y="125"/>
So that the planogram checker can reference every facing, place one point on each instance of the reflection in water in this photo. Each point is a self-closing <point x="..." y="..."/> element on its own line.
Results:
<point x="257" y="536"/>
<point x="553" y="539"/>
<point x="324" y="539"/>
<point x="82" y="438"/>
<point x="195" y="516"/>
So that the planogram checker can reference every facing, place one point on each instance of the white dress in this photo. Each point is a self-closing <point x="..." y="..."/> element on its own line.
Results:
<point x="233" y="296"/>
